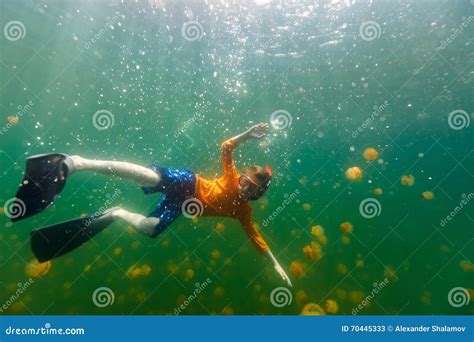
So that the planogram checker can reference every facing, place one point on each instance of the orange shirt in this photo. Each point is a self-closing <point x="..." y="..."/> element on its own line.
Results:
<point x="220" y="198"/>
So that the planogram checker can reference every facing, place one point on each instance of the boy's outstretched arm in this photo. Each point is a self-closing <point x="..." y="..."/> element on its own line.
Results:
<point x="255" y="132"/>
<point x="260" y="244"/>
<point x="278" y="268"/>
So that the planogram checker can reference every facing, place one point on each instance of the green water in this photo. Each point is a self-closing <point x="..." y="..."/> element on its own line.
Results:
<point x="309" y="59"/>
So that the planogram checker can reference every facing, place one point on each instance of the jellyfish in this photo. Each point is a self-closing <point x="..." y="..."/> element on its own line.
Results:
<point x="135" y="244"/>
<point x="215" y="254"/>
<point x="408" y="180"/>
<point x="133" y="272"/>
<point x="353" y="173"/>
<point x="303" y="180"/>
<point x="428" y="195"/>
<point x="165" y="243"/>
<point x="390" y="273"/>
<point x="467" y="266"/>
<point x="13" y="120"/>
<point x="341" y="294"/>
<point x="36" y="269"/>
<point x="219" y="292"/>
<point x="318" y="232"/>
<point x="189" y="273"/>
<point x="306" y="207"/>
<point x="331" y="306"/>
<point x="356" y="297"/>
<point x="312" y="309"/>
<point x="227" y="311"/>
<point x="220" y="227"/>
<point x="346" y="227"/>
<point x="378" y="191"/>
<point x="425" y="298"/>
<point x="370" y="153"/>
<point x="360" y="263"/>
<point x="87" y="268"/>
<point x="341" y="268"/>
<point x="145" y="270"/>
<point x="312" y="251"/>
<point x="345" y="240"/>
<point x="301" y="297"/>
<point x="117" y="251"/>
<point x="296" y="268"/>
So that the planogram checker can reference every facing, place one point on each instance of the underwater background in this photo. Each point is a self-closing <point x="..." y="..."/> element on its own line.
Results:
<point x="169" y="81"/>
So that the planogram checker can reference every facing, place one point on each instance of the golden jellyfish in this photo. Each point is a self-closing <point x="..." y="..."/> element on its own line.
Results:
<point x="313" y="251"/>
<point x="356" y="297"/>
<point x="312" y="309"/>
<point x="165" y="243"/>
<point x="318" y="232"/>
<point x="370" y="153"/>
<point x="345" y="240"/>
<point x="87" y="268"/>
<point x="353" y="173"/>
<point x="341" y="294"/>
<point x="36" y="269"/>
<point x="390" y="273"/>
<point x="296" y="268"/>
<point x="341" y="268"/>
<point x="428" y="195"/>
<point x="303" y="180"/>
<point x="145" y="270"/>
<point x="219" y="292"/>
<point x="13" y="120"/>
<point x="135" y="244"/>
<point x="138" y="271"/>
<point x="346" y="227"/>
<point x="306" y="207"/>
<point x="378" y="191"/>
<point x="360" y="263"/>
<point x="227" y="311"/>
<point x="467" y="266"/>
<point x="220" y="227"/>
<point x="189" y="273"/>
<point x="117" y="251"/>
<point x="331" y="307"/>
<point x="408" y="180"/>
<point x="301" y="297"/>
<point x="215" y="254"/>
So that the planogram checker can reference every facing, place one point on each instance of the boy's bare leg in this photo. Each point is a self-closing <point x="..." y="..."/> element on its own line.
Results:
<point x="144" y="225"/>
<point x="137" y="173"/>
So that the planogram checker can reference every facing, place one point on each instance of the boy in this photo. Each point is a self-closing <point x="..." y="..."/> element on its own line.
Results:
<point x="184" y="192"/>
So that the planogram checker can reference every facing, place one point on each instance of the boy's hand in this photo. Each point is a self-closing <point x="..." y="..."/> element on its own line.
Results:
<point x="282" y="274"/>
<point x="258" y="131"/>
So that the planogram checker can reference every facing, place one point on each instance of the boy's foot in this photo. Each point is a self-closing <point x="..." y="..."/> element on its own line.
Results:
<point x="45" y="177"/>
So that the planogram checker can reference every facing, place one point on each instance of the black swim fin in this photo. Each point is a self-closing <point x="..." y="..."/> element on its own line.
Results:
<point x="58" y="239"/>
<point x="45" y="177"/>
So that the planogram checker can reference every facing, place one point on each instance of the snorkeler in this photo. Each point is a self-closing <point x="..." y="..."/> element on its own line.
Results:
<point x="227" y="196"/>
